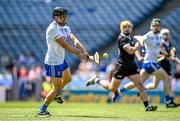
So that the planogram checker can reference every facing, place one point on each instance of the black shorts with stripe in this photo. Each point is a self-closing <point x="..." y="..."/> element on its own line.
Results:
<point x="165" y="64"/>
<point x="124" y="70"/>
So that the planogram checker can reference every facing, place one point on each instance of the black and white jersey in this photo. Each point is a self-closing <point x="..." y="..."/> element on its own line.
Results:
<point x="125" y="57"/>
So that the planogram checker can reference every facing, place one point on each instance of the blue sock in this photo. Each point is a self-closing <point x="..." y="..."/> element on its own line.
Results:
<point x="43" y="107"/>
<point x="122" y="89"/>
<point x="168" y="98"/>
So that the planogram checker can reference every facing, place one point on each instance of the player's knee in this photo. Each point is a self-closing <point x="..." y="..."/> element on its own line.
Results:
<point x="154" y="86"/>
<point x="57" y="88"/>
<point x="112" y="89"/>
<point x="54" y="90"/>
<point x="67" y="80"/>
<point x="140" y="86"/>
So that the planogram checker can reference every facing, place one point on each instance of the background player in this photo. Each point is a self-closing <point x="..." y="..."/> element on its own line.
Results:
<point x="152" y="41"/>
<point x="165" y="61"/>
<point x="55" y="64"/>
<point x="126" y="66"/>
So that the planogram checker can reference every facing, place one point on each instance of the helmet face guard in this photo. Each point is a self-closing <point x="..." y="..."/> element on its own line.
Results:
<point x="62" y="14"/>
<point x="65" y="19"/>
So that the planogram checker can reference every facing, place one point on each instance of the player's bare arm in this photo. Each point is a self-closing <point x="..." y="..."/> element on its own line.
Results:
<point x="69" y="48"/>
<point x="138" y="55"/>
<point x="140" y="39"/>
<point x="77" y="43"/>
<point x="132" y="49"/>
<point x="173" y="56"/>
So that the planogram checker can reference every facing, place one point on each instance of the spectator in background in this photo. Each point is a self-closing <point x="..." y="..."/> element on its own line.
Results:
<point x="27" y="59"/>
<point x="30" y="82"/>
<point x="36" y="77"/>
<point x="86" y="68"/>
<point x="23" y="72"/>
<point x="6" y="62"/>
<point x="31" y="59"/>
<point x="22" y="58"/>
<point x="24" y="85"/>
<point x="6" y="82"/>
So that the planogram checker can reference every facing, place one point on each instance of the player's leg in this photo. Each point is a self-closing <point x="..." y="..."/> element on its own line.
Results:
<point x="113" y="95"/>
<point x="66" y="79"/>
<point x="162" y="75"/>
<point x="131" y="85"/>
<point x="153" y="84"/>
<point x="57" y="85"/>
<point x="144" y="75"/>
<point x="156" y="80"/>
<point x="112" y="85"/>
<point x="127" y="86"/>
<point x="109" y="85"/>
<point x="137" y="80"/>
<point x="55" y="74"/>
<point x="167" y="68"/>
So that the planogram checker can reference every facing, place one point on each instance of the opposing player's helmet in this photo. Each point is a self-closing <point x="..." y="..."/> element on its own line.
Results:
<point x="125" y="22"/>
<point x="166" y="34"/>
<point x="59" y="11"/>
<point x="165" y="31"/>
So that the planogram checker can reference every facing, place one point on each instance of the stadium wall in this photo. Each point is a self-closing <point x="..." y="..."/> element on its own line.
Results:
<point x="102" y="96"/>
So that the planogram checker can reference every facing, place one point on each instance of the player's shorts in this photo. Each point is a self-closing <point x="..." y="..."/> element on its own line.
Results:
<point x="140" y="63"/>
<point x="122" y="71"/>
<point x="150" y="67"/>
<point x="56" y="70"/>
<point x="165" y="64"/>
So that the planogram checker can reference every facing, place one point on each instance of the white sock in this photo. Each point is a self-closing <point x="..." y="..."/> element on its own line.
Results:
<point x="97" y="80"/>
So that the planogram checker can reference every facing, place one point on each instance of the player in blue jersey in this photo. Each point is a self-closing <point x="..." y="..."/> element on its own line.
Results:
<point x="55" y="63"/>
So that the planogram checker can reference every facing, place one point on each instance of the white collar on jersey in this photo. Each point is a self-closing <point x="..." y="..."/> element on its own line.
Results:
<point x="125" y="36"/>
<point x="57" y="25"/>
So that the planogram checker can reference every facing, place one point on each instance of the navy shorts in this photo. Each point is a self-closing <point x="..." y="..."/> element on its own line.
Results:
<point x="56" y="70"/>
<point x="140" y="63"/>
<point x="150" y="67"/>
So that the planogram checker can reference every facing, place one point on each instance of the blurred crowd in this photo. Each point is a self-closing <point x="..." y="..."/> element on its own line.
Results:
<point x="22" y="78"/>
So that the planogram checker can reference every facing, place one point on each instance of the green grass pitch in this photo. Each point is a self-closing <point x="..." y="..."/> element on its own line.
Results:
<point x="26" y="111"/>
